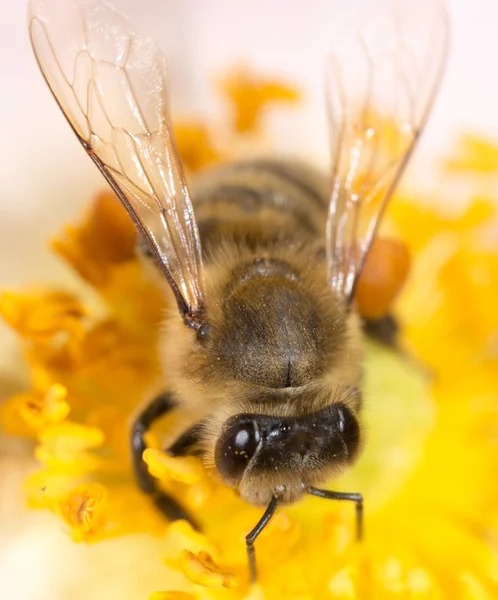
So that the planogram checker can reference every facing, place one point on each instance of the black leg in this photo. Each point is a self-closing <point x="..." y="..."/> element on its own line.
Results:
<point x="153" y="411"/>
<point x="356" y="498"/>
<point x="251" y="537"/>
<point x="384" y="330"/>
<point x="186" y="443"/>
<point x="156" y="409"/>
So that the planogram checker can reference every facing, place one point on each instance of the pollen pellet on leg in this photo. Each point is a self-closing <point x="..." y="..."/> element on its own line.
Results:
<point x="200" y="568"/>
<point x="384" y="274"/>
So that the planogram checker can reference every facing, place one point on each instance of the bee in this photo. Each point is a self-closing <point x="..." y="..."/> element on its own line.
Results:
<point x="265" y="346"/>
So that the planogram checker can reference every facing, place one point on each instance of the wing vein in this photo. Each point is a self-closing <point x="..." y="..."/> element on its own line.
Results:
<point x="384" y="78"/>
<point x="124" y="128"/>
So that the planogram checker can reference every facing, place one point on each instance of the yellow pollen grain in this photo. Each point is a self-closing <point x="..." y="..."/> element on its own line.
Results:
<point x="249" y="94"/>
<point x="83" y="510"/>
<point x="183" y="469"/>
<point x="200" y="568"/>
<point x="38" y="410"/>
<point x="72" y="436"/>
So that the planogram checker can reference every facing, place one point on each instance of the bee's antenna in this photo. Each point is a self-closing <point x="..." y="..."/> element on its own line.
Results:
<point x="251" y="537"/>
<point x="357" y="498"/>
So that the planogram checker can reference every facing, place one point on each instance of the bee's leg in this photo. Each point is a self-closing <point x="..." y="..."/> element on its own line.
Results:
<point x="251" y="537"/>
<point x="384" y="330"/>
<point x="153" y="411"/>
<point x="356" y="498"/>
<point x="187" y="442"/>
<point x="156" y="409"/>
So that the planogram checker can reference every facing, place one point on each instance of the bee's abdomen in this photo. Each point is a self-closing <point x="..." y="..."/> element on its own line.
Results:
<point x="284" y="197"/>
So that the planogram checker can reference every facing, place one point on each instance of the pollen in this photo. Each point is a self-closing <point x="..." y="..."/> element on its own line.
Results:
<point x="38" y="410"/>
<point x="68" y="446"/>
<point x="105" y="239"/>
<point x="186" y="470"/>
<point x="384" y="274"/>
<point x="42" y="314"/>
<point x="83" y="510"/>
<point x="250" y="94"/>
<point x="201" y="569"/>
<point x="196" y="145"/>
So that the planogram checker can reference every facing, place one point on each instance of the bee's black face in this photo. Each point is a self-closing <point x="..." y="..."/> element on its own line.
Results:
<point x="263" y="455"/>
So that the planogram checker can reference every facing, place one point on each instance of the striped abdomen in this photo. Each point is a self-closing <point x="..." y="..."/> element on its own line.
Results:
<point x="278" y="199"/>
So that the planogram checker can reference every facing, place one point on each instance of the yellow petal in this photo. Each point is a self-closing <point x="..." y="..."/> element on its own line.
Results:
<point x="473" y="588"/>
<point x="105" y="238"/>
<point x="45" y="488"/>
<point x="475" y="155"/>
<point x="481" y="211"/>
<point x="171" y="596"/>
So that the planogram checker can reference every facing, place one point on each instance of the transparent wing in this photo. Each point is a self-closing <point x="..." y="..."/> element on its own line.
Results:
<point x="110" y="82"/>
<point x="381" y="83"/>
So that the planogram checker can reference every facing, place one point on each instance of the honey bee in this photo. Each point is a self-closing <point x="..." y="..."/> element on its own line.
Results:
<point x="265" y="346"/>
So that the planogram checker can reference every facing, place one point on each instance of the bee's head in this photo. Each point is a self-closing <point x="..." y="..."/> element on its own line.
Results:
<point x="262" y="455"/>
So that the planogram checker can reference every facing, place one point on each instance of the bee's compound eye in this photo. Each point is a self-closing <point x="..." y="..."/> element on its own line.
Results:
<point x="245" y="441"/>
<point x="236" y="446"/>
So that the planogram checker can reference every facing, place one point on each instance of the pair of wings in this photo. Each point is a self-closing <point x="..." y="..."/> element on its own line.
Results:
<point x="111" y="84"/>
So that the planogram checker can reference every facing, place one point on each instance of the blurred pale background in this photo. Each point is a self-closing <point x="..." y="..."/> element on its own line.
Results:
<point x="40" y="160"/>
<point x="38" y="155"/>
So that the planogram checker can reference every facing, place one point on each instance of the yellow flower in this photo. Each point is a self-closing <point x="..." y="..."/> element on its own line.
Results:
<point x="200" y="568"/>
<point x="249" y="94"/>
<point x="171" y="596"/>
<point x="431" y="417"/>
<point x="83" y="510"/>
<point x="475" y="155"/>
<point x="105" y="238"/>
<point x="67" y="447"/>
<point x="32" y="411"/>
<point x="183" y="469"/>
<point x="42" y="315"/>
<point x="195" y="144"/>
